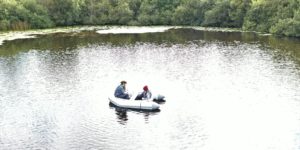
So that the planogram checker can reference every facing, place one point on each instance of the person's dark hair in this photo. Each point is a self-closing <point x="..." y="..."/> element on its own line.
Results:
<point x="123" y="82"/>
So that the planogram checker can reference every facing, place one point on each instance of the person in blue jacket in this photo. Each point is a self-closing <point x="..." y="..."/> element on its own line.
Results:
<point x="120" y="91"/>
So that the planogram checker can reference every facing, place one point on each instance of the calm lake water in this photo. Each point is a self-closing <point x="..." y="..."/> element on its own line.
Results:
<point x="224" y="91"/>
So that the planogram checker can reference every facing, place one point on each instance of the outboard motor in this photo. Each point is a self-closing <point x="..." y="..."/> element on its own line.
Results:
<point x="159" y="98"/>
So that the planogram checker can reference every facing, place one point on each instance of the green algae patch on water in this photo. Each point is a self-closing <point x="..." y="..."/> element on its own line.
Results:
<point x="134" y="29"/>
<point x="13" y="35"/>
<point x="216" y="29"/>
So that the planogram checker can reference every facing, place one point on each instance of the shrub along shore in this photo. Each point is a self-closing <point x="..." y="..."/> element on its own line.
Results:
<point x="280" y="17"/>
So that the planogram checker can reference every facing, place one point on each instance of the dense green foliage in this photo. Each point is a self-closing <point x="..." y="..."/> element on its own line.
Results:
<point x="280" y="17"/>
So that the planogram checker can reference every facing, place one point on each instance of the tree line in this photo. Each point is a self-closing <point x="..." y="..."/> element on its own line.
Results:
<point x="281" y="17"/>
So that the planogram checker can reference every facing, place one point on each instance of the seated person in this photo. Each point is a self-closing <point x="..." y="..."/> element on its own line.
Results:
<point x="145" y="95"/>
<point x="120" y="91"/>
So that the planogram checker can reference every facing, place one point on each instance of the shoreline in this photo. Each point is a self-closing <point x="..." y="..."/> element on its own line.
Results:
<point x="13" y="35"/>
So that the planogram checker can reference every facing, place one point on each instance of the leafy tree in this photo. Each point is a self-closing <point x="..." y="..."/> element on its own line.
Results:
<point x="134" y="6"/>
<point x="157" y="12"/>
<point x="280" y="17"/>
<point x="273" y="16"/>
<point x="120" y="14"/>
<point x="63" y="12"/>
<point x="38" y="16"/>
<point x="94" y="12"/>
<point x="288" y="26"/>
<point x="4" y="23"/>
<point x="218" y="16"/>
<point x="238" y="11"/>
<point x="191" y="12"/>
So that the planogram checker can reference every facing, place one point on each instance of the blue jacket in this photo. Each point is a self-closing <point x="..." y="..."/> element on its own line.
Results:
<point x="120" y="92"/>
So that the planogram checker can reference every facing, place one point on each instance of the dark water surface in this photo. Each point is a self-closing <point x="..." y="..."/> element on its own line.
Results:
<point x="225" y="90"/>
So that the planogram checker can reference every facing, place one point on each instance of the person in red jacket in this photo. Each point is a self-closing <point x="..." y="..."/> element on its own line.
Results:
<point x="146" y="94"/>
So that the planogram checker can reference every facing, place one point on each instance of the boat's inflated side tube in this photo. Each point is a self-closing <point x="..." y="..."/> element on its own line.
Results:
<point x="134" y="104"/>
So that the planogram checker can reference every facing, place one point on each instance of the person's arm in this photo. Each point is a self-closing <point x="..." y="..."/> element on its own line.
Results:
<point x="150" y="95"/>
<point x="123" y="90"/>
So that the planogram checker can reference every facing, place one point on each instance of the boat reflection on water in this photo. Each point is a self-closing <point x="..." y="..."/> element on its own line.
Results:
<point x="123" y="117"/>
<point x="160" y="101"/>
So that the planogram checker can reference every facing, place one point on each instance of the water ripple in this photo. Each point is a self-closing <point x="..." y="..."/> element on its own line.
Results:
<point x="219" y="96"/>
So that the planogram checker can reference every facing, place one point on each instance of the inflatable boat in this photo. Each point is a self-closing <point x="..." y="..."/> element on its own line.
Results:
<point x="134" y="104"/>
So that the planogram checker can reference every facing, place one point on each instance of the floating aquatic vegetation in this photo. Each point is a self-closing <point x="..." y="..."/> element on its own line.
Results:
<point x="13" y="35"/>
<point x="134" y="29"/>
